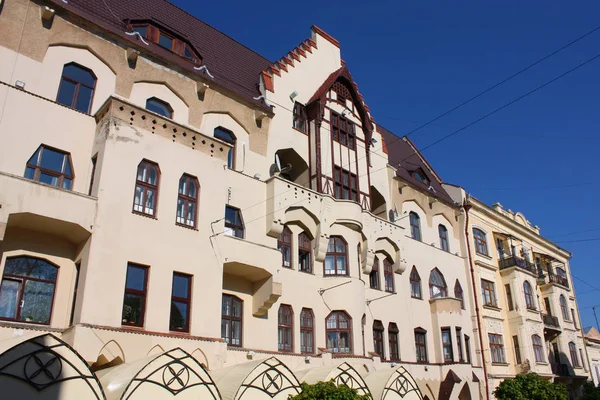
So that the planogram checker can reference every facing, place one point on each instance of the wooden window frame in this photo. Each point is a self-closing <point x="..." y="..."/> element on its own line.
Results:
<point x="538" y="349"/>
<point x="335" y="255"/>
<point x="394" y="342"/>
<point x="235" y="227"/>
<point x="459" y="294"/>
<point x="415" y="226"/>
<point x="447" y="345"/>
<point x="343" y="131"/>
<point x="38" y="169"/>
<point x="517" y="347"/>
<point x="284" y="241"/>
<point x="231" y="318"/>
<point x="509" y="297"/>
<point x="77" y="87"/>
<point x="143" y="293"/>
<point x="573" y="354"/>
<point x="564" y="308"/>
<point x="232" y="141"/>
<point x="305" y="329"/>
<point x="415" y="282"/>
<point x="496" y="344"/>
<point x="338" y="331"/>
<point x="187" y="200"/>
<point x="305" y="252"/>
<point x="284" y="328"/>
<point x="178" y="45"/>
<point x="443" y="289"/>
<point x="529" y="300"/>
<point x="488" y="289"/>
<point x="187" y="301"/>
<point x="22" y="280"/>
<point x="444" y="242"/>
<point x="146" y="187"/>
<point x="299" y="119"/>
<point x="480" y="239"/>
<point x="421" y="346"/>
<point x="378" y="332"/>
<point x="388" y="276"/>
<point x="162" y="102"/>
<point x="340" y="188"/>
<point x="374" y="276"/>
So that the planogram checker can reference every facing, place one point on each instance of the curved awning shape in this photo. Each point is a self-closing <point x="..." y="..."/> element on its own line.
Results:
<point x="342" y="374"/>
<point x="173" y="373"/>
<point x="261" y="379"/>
<point x="391" y="384"/>
<point x="45" y="367"/>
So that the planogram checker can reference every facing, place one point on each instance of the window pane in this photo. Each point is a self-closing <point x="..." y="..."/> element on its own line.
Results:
<point x="149" y="209"/>
<point x="9" y="292"/>
<point x="66" y="94"/>
<point x="136" y="278"/>
<point x="79" y="74"/>
<point x="165" y="41"/>
<point x="159" y="107"/>
<point x="236" y="333"/>
<point x="29" y="173"/>
<point x="84" y="99"/>
<point x="48" y="179"/>
<point x="141" y="30"/>
<point x="340" y="247"/>
<point x="52" y="160"/>
<point x="181" y="285"/>
<point x="179" y="313"/>
<point x="30" y="267"/>
<point x="67" y="183"/>
<point x="37" y="302"/>
<point x="132" y="309"/>
<point x="236" y="308"/>
<point x="329" y="266"/>
<point x="341" y="265"/>
<point x="224" y="134"/>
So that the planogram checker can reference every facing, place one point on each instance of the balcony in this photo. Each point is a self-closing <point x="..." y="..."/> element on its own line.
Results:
<point x="559" y="280"/>
<point x="550" y="321"/>
<point x="517" y="262"/>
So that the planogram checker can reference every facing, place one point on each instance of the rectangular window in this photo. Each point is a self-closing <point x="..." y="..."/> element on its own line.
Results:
<point x="233" y="222"/>
<point x="538" y="349"/>
<point x="496" y="348"/>
<point x="509" y="298"/>
<point x="574" y="319"/>
<point x="459" y="344"/>
<point x="468" y="348"/>
<point x="378" y="339"/>
<point x="393" y="339"/>
<point x="166" y="41"/>
<point x="582" y="359"/>
<point x="343" y="130"/>
<point x="447" y="345"/>
<point x="181" y="295"/>
<point x="421" y="346"/>
<point x="388" y="275"/>
<point x="304" y="253"/>
<point x="299" y="119"/>
<point x="307" y="331"/>
<point x="231" y="320"/>
<point x="517" y="349"/>
<point x="345" y="183"/>
<point x="134" y="302"/>
<point x="488" y="292"/>
<point x="94" y="162"/>
<point x="374" y="275"/>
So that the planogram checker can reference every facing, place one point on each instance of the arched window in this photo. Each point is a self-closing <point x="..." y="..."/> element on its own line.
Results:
<point x="284" y="244"/>
<point x="415" y="284"/>
<point x="27" y="290"/>
<point x="415" y="226"/>
<point x="307" y="331"/>
<point x="437" y="284"/>
<point x="339" y="332"/>
<point x="304" y="253"/>
<point x="378" y="330"/>
<point x="285" y="328"/>
<point x="480" y="241"/>
<point x="187" y="201"/>
<point x="573" y="353"/>
<point x="564" y="308"/>
<point x="538" y="348"/>
<point x="374" y="275"/>
<point x="443" y="231"/>
<point x="227" y="136"/>
<point x="393" y="341"/>
<point x="76" y="88"/>
<point x="234" y="225"/>
<point x="146" y="188"/>
<point x="529" y="301"/>
<point x="159" y="106"/>
<point x="231" y="320"/>
<point x="50" y="166"/>
<point x="458" y="293"/>
<point x="336" y="259"/>
<point x="388" y="275"/>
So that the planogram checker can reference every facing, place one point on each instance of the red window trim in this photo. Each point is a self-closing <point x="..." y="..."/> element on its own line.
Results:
<point x="338" y="184"/>
<point x="393" y="340"/>
<point x="187" y="199"/>
<point x="343" y="131"/>
<point x="421" y="345"/>
<point x="285" y="347"/>
<point x="146" y="187"/>
<point x="335" y="256"/>
<point x="338" y="330"/>
<point x="417" y="280"/>
<point x="388" y="272"/>
<point x="178" y="47"/>
<point x="378" y="346"/>
<point x="304" y="328"/>
<point x="232" y="318"/>
<point x="143" y="293"/>
<point x="187" y="301"/>
<point x="285" y="242"/>
<point x="77" y="86"/>
<point x="374" y="283"/>
<point x="305" y="245"/>
<point x="61" y="176"/>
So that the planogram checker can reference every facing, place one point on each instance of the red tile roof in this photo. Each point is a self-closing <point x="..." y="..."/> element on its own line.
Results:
<point x="234" y="66"/>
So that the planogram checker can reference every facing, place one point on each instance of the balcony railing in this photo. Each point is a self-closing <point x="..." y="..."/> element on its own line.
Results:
<point x="561" y="280"/>
<point x="514" y="261"/>
<point x="550" y="320"/>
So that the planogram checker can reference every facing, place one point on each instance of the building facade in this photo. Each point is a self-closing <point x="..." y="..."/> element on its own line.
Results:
<point x="181" y="216"/>
<point x="592" y="345"/>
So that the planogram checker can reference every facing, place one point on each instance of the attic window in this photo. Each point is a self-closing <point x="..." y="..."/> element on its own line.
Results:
<point x="420" y="176"/>
<point x="342" y="92"/>
<point x="166" y="41"/>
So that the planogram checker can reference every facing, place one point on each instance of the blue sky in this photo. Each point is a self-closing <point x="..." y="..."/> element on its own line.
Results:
<point x="414" y="60"/>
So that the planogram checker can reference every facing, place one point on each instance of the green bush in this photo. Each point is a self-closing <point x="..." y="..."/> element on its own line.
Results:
<point x="590" y="392"/>
<point x="327" y="391"/>
<point x="530" y="387"/>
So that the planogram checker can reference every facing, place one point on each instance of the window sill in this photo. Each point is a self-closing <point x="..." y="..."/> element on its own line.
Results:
<point x="141" y="214"/>
<point x="492" y="307"/>
<point x="305" y="272"/>
<point x="416" y="298"/>
<point x="500" y="364"/>
<point x="191" y="228"/>
<point x="298" y="130"/>
<point x="483" y="255"/>
<point x="541" y="363"/>
<point x="140" y="327"/>
<point x="533" y="310"/>
<point x="335" y="276"/>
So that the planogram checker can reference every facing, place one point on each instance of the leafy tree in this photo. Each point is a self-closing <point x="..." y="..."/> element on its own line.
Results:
<point x="530" y="387"/>
<point x="590" y="392"/>
<point x="327" y="391"/>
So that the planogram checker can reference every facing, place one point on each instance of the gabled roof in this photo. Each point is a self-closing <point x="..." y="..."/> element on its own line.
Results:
<point x="404" y="156"/>
<point x="234" y="66"/>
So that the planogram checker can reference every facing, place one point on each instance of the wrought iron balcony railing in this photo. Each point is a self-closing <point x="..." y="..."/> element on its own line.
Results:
<point x="514" y="261"/>
<point x="561" y="280"/>
<point x="550" y="320"/>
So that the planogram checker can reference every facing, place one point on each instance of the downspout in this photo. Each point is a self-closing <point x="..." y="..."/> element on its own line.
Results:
<point x="467" y="207"/>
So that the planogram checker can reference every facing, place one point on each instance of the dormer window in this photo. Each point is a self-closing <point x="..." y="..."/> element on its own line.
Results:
<point x="421" y="177"/>
<point x="166" y="40"/>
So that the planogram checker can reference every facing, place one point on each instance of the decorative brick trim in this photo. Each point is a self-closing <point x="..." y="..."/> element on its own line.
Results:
<point x="306" y="47"/>
<point x="294" y="56"/>
<point x="287" y="60"/>
<point x="312" y="43"/>
<point x="281" y="66"/>
<point x="275" y="71"/>
<point x="300" y="51"/>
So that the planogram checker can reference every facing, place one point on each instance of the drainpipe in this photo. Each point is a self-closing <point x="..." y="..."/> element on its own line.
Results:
<point x="467" y="207"/>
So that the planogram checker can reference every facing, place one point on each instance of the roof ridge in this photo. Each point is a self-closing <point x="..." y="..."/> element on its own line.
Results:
<point x="217" y="30"/>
